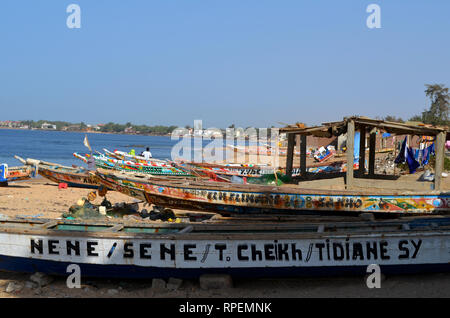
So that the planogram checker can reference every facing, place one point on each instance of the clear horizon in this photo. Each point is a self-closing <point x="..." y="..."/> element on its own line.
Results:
<point x="248" y="63"/>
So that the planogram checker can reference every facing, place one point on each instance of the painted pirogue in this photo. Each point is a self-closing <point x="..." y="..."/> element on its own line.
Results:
<point x="151" y="168"/>
<point x="257" y="174"/>
<point x="252" y="174"/>
<point x="229" y="198"/>
<point x="121" y="155"/>
<point x="10" y="174"/>
<point x="323" y="246"/>
<point x="74" y="177"/>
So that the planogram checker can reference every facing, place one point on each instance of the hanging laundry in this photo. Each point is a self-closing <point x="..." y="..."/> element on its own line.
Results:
<point x="412" y="162"/>
<point x="426" y="154"/>
<point x="407" y="154"/>
<point x="401" y="158"/>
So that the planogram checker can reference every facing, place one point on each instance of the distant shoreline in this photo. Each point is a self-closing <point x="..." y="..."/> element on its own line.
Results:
<point x="86" y="132"/>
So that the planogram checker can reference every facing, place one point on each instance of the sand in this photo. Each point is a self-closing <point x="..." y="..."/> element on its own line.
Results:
<point x="42" y="198"/>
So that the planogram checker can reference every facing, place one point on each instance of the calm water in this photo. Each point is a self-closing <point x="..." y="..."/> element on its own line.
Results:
<point x="58" y="146"/>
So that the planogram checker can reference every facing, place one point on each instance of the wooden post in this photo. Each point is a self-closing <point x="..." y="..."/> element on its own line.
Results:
<point x="440" y="144"/>
<point x="350" y="153"/>
<point x="290" y="154"/>
<point x="362" y="150"/>
<point x="303" y="156"/>
<point x="372" y="144"/>
<point x="297" y="147"/>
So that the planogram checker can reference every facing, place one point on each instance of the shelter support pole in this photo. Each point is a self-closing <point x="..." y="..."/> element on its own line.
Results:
<point x="303" y="156"/>
<point x="362" y="150"/>
<point x="372" y="140"/>
<point x="440" y="144"/>
<point x="298" y="147"/>
<point x="350" y="153"/>
<point x="290" y="154"/>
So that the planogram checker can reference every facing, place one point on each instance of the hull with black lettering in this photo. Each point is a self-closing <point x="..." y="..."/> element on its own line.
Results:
<point x="78" y="179"/>
<point x="73" y="177"/>
<point x="226" y="198"/>
<point x="189" y="250"/>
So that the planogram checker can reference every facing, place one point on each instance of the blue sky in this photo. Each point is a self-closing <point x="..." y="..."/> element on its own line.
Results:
<point x="247" y="62"/>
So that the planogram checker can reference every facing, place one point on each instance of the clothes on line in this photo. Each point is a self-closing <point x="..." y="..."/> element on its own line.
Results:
<point x="414" y="157"/>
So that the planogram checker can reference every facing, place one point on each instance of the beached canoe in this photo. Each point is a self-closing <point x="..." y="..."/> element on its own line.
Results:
<point x="259" y="174"/>
<point x="226" y="171"/>
<point x="189" y="250"/>
<point x="121" y="155"/>
<point x="255" y="174"/>
<point x="151" y="168"/>
<point x="11" y="174"/>
<point x="74" y="177"/>
<point x="229" y="198"/>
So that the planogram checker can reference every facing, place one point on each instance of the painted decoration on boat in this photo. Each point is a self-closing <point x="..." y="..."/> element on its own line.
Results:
<point x="209" y="198"/>
<point x="228" y="170"/>
<point x="10" y="174"/>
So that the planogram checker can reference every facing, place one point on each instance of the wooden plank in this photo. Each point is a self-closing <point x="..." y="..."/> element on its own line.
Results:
<point x="115" y="228"/>
<point x="362" y="150"/>
<point x="350" y="153"/>
<point x="49" y="224"/>
<point x="372" y="144"/>
<point x="393" y="185"/>
<point x="440" y="151"/>
<point x="399" y="128"/>
<point x="290" y="154"/>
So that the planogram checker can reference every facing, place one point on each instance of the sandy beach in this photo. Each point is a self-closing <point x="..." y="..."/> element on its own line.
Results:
<point x="42" y="198"/>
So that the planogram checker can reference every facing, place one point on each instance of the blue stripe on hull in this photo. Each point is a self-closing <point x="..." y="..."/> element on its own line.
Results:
<point x="27" y="265"/>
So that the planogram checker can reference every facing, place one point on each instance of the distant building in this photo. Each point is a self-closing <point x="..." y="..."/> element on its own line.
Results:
<point x="72" y="128"/>
<point x="10" y="124"/>
<point x="48" y="126"/>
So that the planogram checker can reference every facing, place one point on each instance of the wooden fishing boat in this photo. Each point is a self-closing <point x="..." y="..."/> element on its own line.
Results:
<point x="151" y="168"/>
<point x="74" y="177"/>
<point x="239" y="170"/>
<point x="229" y="198"/>
<point x="259" y="174"/>
<point x="121" y="155"/>
<point x="10" y="174"/>
<point x="256" y="174"/>
<point x="189" y="250"/>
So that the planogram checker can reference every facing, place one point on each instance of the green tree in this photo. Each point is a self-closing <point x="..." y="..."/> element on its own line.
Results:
<point x="438" y="114"/>
<point x="394" y="119"/>
<point x="440" y="102"/>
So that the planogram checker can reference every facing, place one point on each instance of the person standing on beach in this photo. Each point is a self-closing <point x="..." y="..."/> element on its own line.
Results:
<point x="147" y="154"/>
<point x="91" y="163"/>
